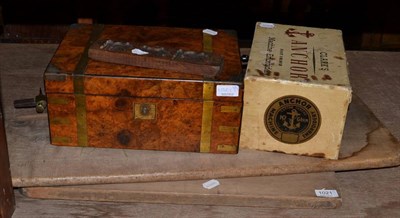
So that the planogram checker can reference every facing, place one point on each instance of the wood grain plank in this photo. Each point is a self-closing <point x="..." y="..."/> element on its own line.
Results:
<point x="286" y="191"/>
<point x="365" y="193"/>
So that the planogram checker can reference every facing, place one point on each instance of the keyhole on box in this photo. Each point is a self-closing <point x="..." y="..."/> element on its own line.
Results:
<point x="145" y="109"/>
<point x="124" y="137"/>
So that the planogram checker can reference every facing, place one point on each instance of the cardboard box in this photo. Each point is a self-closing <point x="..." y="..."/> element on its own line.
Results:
<point x="296" y="91"/>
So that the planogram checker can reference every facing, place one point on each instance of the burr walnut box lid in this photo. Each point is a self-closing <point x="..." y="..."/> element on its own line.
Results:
<point x="178" y="54"/>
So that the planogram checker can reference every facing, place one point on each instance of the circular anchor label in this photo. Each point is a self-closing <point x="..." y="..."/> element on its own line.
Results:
<point x="292" y="119"/>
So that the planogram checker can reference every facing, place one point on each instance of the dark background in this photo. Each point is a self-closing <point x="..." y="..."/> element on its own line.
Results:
<point x="367" y="25"/>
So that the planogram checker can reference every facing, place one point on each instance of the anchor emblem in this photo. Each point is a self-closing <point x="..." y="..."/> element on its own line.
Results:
<point x="291" y="33"/>
<point x="293" y="117"/>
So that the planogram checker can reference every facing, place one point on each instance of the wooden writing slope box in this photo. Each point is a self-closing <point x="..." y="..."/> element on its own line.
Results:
<point x="183" y="93"/>
<point x="297" y="91"/>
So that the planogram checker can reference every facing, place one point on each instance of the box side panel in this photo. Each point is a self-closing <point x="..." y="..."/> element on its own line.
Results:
<point x="258" y="133"/>
<point x="62" y="119"/>
<point x="121" y="122"/>
<point x="226" y="127"/>
<point x="150" y="123"/>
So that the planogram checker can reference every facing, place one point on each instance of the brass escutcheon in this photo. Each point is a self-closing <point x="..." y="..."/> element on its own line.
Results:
<point x="145" y="111"/>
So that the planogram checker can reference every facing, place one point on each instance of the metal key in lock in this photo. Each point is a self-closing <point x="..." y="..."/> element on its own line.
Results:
<point x="39" y="102"/>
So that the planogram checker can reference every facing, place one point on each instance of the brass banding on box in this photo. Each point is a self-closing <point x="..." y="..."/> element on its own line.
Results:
<point x="206" y="123"/>
<point x="230" y="109"/>
<point x="229" y="129"/>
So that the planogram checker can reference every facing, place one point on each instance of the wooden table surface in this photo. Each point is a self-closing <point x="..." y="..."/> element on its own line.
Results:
<point x="375" y="77"/>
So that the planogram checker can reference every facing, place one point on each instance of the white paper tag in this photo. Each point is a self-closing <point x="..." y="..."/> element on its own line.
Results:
<point x="139" y="52"/>
<point x="228" y="90"/>
<point x="267" y="25"/>
<point x="325" y="193"/>
<point x="211" y="184"/>
<point x="210" y="32"/>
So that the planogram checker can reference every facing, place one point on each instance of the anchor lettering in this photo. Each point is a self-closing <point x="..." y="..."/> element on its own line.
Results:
<point x="291" y="33"/>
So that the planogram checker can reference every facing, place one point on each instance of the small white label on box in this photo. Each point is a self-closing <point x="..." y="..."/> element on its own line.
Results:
<point x="267" y="25"/>
<point x="325" y="193"/>
<point x="139" y="52"/>
<point x="227" y="90"/>
<point x="210" y="32"/>
<point x="211" y="184"/>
